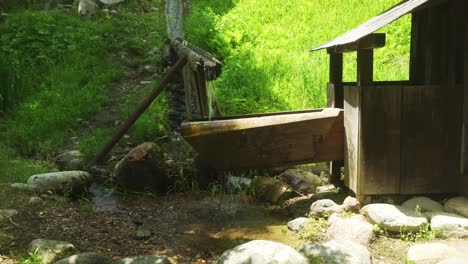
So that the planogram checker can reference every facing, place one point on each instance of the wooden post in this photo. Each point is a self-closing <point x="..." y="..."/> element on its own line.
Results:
<point x="365" y="67"/>
<point x="464" y="183"/>
<point x="336" y="100"/>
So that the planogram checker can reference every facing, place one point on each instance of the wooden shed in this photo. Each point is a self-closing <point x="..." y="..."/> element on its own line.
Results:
<point x="406" y="137"/>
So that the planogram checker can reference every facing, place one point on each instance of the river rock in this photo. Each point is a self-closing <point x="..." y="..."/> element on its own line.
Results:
<point x="145" y="259"/>
<point x="50" y="250"/>
<point x="63" y="182"/>
<point x="457" y="205"/>
<point x="337" y="197"/>
<point x="143" y="169"/>
<point x="262" y="252"/>
<point x="7" y="214"/>
<point x="354" y="228"/>
<point x="336" y="252"/>
<point x="351" y="204"/>
<point x="111" y="2"/>
<point x="70" y="160"/>
<point x="394" y="218"/>
<point x="297" y="224"/>
<point x="85" y="258"/>
<point x="24" y="187"/>
<point x="87" y="8"/>
<point x="326" y="188"/>
<point x="301" y="181"/>
<point x="453" y="261"/>
<point x="270" y="189"/>
<point x="324" y="207"/>
<point x="430" y="253"/>
<point x="423" y="204"/>
<point x="448" y="225"/>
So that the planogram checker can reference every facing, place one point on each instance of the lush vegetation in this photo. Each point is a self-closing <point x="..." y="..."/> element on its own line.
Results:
<point x="265" y="48"/>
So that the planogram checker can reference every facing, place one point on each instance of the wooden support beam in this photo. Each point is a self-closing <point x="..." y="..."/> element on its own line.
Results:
<point x="365" y="67"/>
<point x="464" y="182"/>
<point x="369" y="42"/>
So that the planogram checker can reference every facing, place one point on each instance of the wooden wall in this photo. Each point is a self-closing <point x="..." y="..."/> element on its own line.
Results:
<point x="464" y="183"/>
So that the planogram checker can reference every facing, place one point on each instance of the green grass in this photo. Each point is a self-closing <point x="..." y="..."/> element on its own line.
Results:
<point x="265" y="48"/>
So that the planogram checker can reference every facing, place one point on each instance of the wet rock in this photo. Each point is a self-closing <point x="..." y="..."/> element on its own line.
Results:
<point x="394" y="218"/>
<point x="50" y="250"/>
<point x="457" y="205"/>
<point x="63" y="182"/>
<point x="85" y="258"/>
<point x="326" y="188"/>
<point x="447" y="225"/>
<point x="324" y="207"/>
<point x="35" y="200"/>
<point x="146" y="259"/>
<point x="143" y="169"/>
<point x="262" y="252"/>
<point x="6" y="214"/>
<point x="87" y="8"/>
<point x="431" y="253"/>
<point x="143" y="234"/>
<point x="354" y="228"/>
<point x="70" y="160"/>
<point x="336" y="252"/>
<point x="270" y="189"/>
<point x="301" y="181"/>
<point x="351" y="204"/>
<point x="297" y="224"/>
<point x="423" y="204"/>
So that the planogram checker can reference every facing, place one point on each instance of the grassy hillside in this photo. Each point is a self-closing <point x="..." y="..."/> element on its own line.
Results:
<point x="265" y="45"/>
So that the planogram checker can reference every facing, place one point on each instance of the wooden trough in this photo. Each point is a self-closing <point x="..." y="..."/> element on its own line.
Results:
<point x="268" y="140"/>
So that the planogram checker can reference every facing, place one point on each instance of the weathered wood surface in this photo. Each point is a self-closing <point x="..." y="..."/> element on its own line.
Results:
<point x="197" y="57"/>
<point x="365" y="67"/>
<point x="352" y="102"/>
<point x="464" y="182"/>
<point x="268" y="140"/>
<point x="372" y="41"/>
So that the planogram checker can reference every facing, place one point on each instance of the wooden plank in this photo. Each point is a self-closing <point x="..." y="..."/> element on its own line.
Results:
<point x="464" y="183"/>
<point x="201" y="90"/>
<point x="372" y="41"/>
<point x="379" y="154"/>
<point x="429" y="158"/>
<point x="365" y="67"/>
<point x="335" y="99"/>
<point x="352" y="103"/>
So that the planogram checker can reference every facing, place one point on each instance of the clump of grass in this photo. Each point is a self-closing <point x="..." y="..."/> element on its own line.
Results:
<point x="424" y="234"/>
<point x="31" y="258"/>
<point x="314" y="229"/>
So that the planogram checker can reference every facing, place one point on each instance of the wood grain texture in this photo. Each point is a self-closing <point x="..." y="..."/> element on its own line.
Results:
<point x="268" y="140"/>
<point x="352" y="101"/>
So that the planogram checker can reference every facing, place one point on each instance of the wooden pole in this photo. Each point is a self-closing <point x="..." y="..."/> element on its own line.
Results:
<point x="365" y="67"/>
<point x="139" y="111"/>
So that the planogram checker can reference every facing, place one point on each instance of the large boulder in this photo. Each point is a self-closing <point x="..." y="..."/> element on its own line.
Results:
<point x="351" y="204"/>
<point x="63" y="182"/>
<point x="394" y="218"/>
<point x="457" y="205"/>
<point x="423" y="204"/>
<point x="447" y="225"/>
<point x="336" y="252"/>
<point x="325" y="207"/>
<point x="431" y="253"/>
<point x="271" y="189"/>
<point x="297" y="224"/>
<point x="70" y="160"/>
<point x="145" y="259"/>
<point x="50" y="250"/>
<point x="87" y="8"/>
<point x="85" y="258"/>
<point x="262" y="252"/>
<point x="143" y="169"/>
<point x="354" y="228"/>
<point x="301" y="181"/>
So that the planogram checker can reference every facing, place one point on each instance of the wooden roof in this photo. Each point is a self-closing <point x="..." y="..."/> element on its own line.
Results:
<point x="374" y="24"/>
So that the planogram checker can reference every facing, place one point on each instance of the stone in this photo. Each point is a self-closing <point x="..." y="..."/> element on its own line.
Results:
<point x="145" y="259"/>
<point x="423" y="204"/>
<point x="430" y="252"/>
<point x="262" y="252"/>
<point x="336" y="252"/>
<point x="354" y="228"/>
<point x="301" y="181"/>
<point x="297" y="224"/>
<point x="143" y="234"/>
<point x="447" y="225"/>
<point x="70" y="160"/>
<point x="35" y="200"/>
<point x="337" y="197"/>
<point x="326" y="188"/>
<point x="351" y="204"/>
<point x="6" y="214"/>
<point x="453" y="261"/>
<point x="50" y="250"/>
<point x="63" y="182"/>
<point x="324" y="207"/>
<point x="24" y="187"/>
<point x="457" y="205"/>
<point x="270" y="189"/>
<point x="143" y="169"/>
<point x="85" y="258"/>
<point x="111" y="2"/>
<point x="394" y="218"/>
<point x="87" y="8"/>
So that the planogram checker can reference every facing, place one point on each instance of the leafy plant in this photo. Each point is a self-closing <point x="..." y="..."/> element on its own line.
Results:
<point x="31" y="258"/>
<point x="314" y="229"/>
<point x="424" y="234"/>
